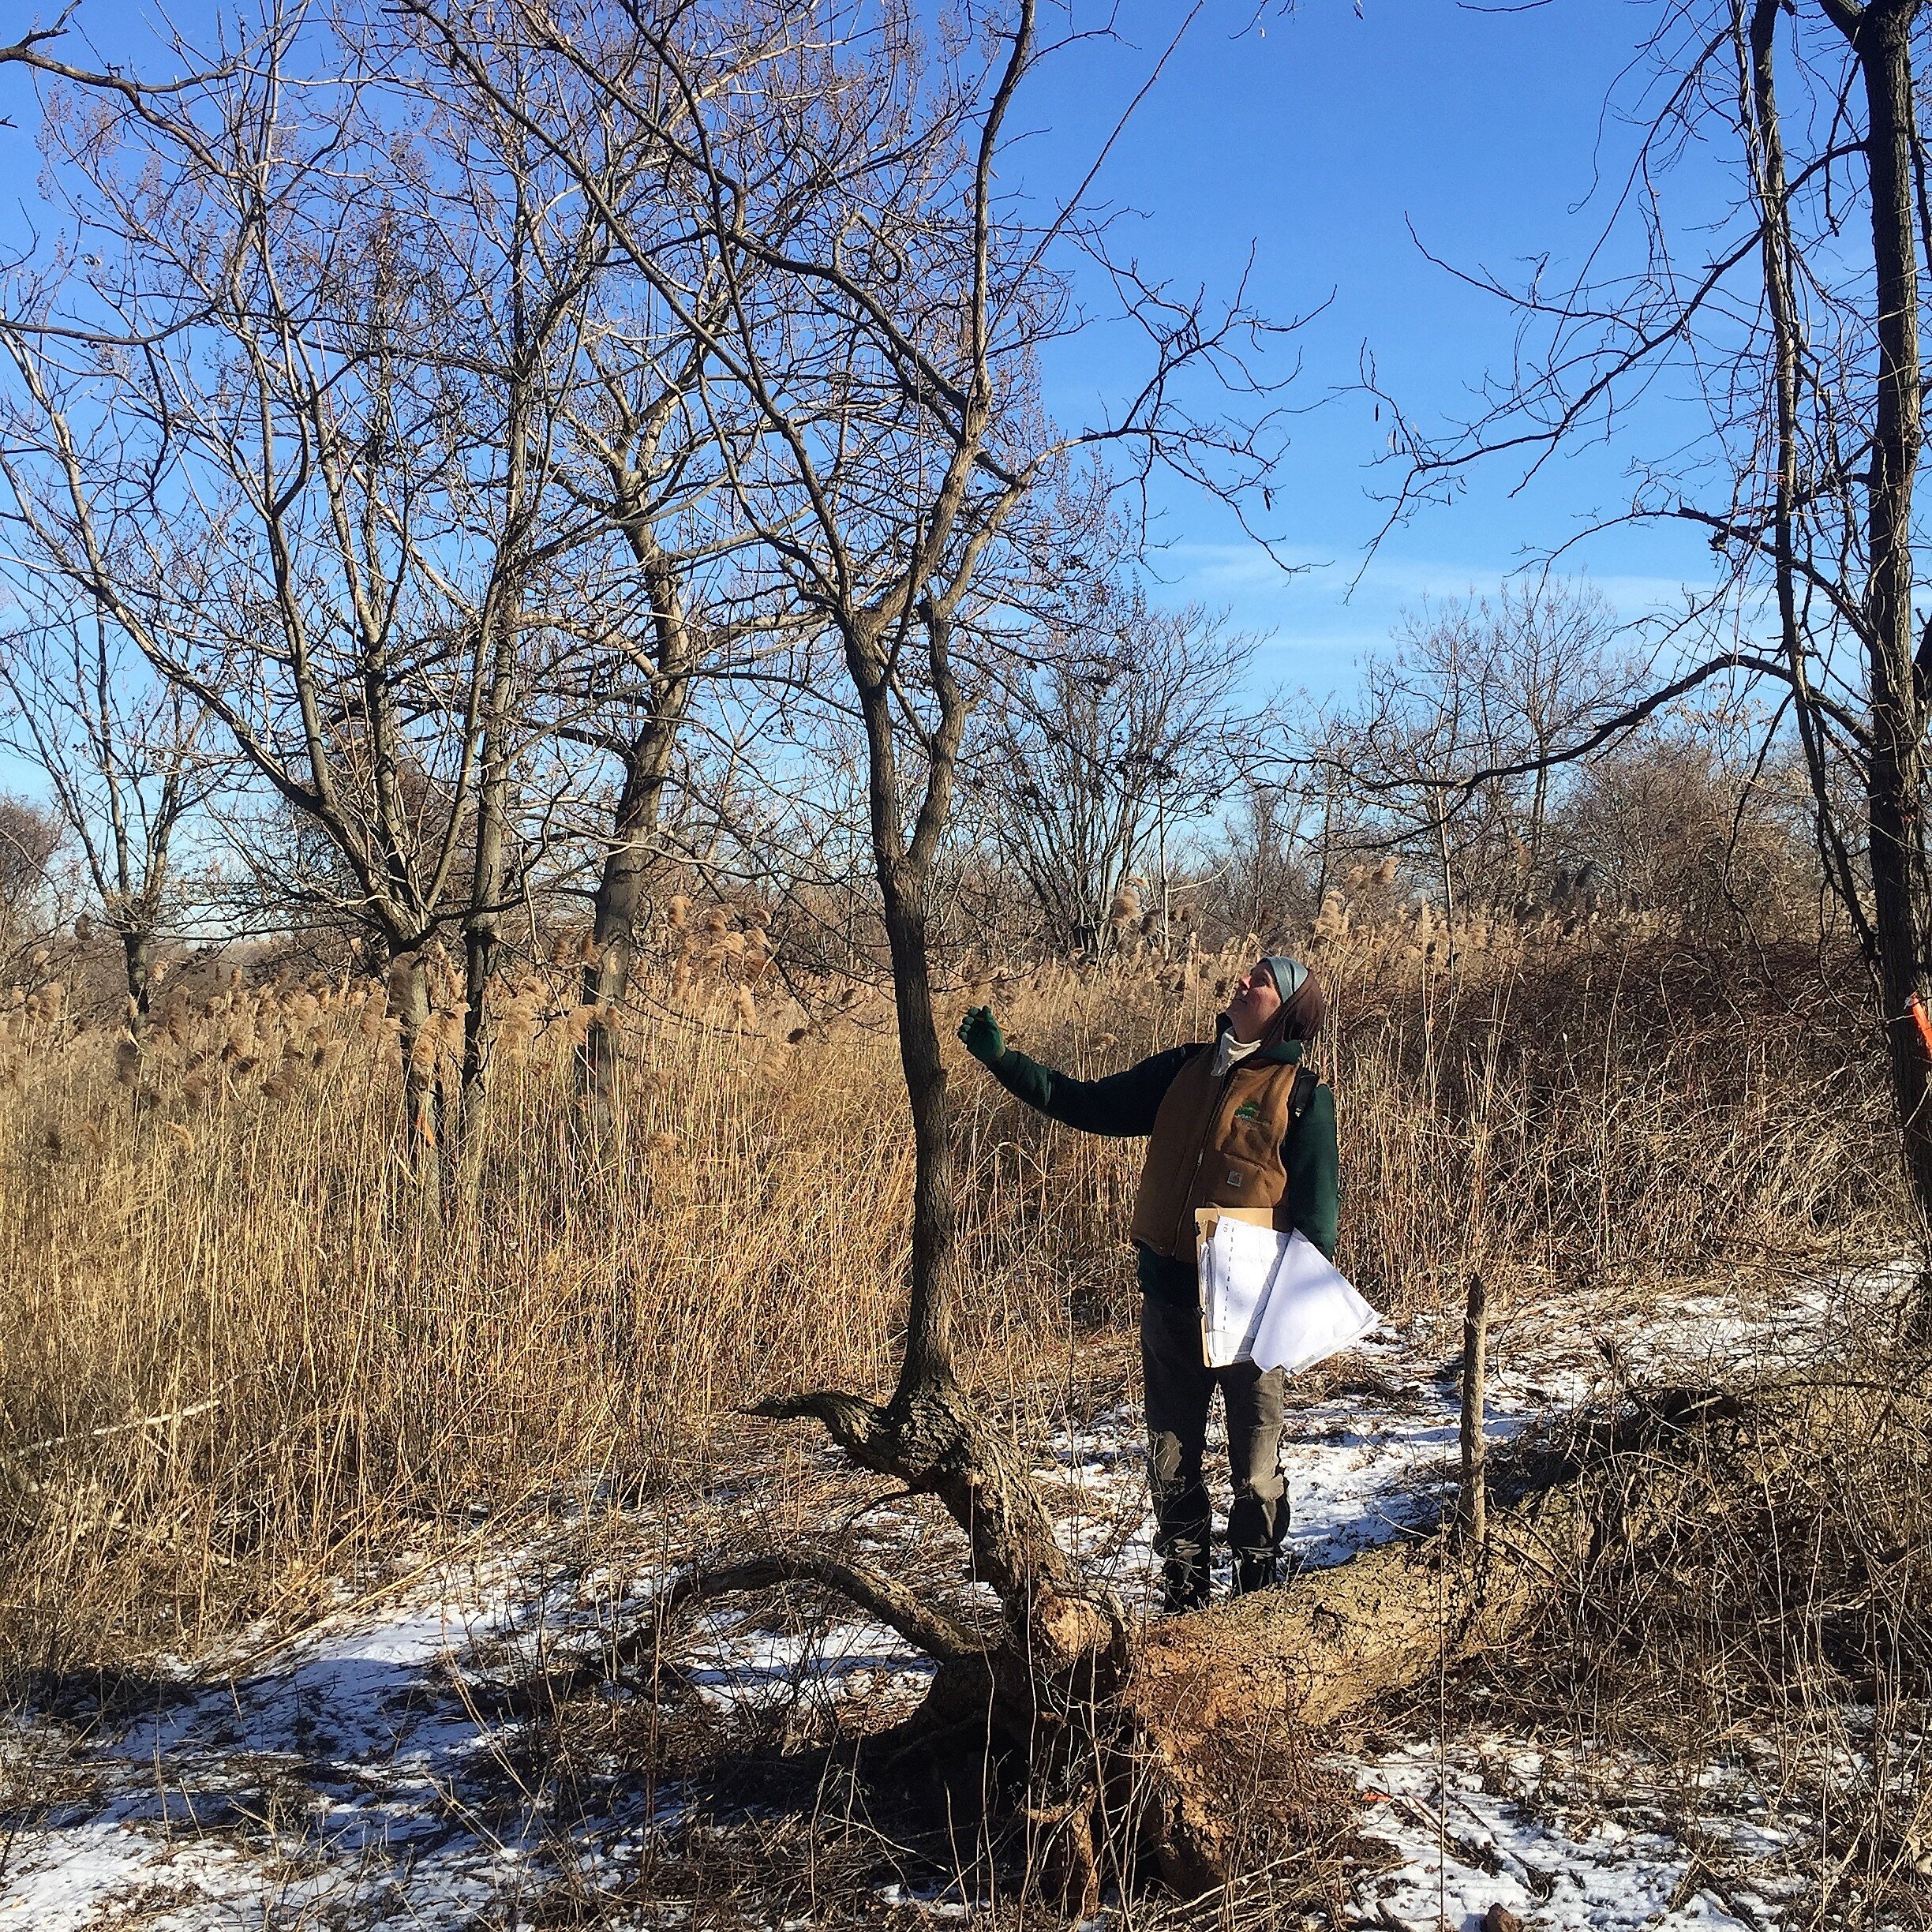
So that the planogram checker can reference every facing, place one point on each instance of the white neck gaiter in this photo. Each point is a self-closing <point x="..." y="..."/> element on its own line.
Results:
<point x="1229" y="1052"/>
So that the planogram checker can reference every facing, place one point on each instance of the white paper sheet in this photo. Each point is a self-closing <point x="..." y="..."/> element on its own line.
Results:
<point x="1275" y="1300"/>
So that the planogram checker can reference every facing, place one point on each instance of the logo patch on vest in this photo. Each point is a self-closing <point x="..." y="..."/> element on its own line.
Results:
<point x="1234" y="1177"/>
<point x="1246" y="1110"/>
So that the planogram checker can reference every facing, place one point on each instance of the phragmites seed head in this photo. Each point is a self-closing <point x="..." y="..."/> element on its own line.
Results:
<point x="1125" y="911"/>
<point x="797" y="1034"/>
<point x="181" y="1137"/>
<point x="715" y="920"/>
<point x="1385" y="872"/>
<point x="83" y="929"/>
<point x="277" y="1086"/>
<point x="516" y="1032"/>
<point x="588" y="950"/>
<point x="677" y="910"/>
<point x="127" y="1061"/>
<point x="748" y="1008"/>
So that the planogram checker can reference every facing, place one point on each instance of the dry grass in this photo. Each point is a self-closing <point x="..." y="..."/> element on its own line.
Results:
<point x="219" y="1232"/>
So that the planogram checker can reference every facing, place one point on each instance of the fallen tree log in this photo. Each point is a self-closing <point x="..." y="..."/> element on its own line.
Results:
<point x="1136" y="1747"/>
<point x="1219" y="1687"/>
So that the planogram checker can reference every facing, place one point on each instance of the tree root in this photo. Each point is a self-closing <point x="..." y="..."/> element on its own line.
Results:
<point x="1145" y="1742"/>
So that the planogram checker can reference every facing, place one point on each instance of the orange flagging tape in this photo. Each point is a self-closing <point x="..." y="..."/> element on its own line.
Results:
<point x="1923" y="1020"/>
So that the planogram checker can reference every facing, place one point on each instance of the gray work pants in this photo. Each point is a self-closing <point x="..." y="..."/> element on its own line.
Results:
<point x="1180" y="1387"/>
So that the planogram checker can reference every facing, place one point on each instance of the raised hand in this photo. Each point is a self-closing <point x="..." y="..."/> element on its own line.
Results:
<point x="980" y="1031"/>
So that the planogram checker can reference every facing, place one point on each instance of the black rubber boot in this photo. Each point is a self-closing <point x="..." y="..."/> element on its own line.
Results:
<point x="1253" y="1572"/>
<point x="1184" y="1587"/>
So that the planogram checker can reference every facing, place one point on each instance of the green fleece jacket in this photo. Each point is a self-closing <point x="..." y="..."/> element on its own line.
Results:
<point x="1123" y="1105"/>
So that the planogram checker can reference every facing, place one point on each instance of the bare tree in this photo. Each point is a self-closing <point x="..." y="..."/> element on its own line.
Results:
<point x="126" y="761"/>
<point x="887" y="306"/>
<point x="1125" y="726"/>
<point x="287" y="433"/>
<point x="1449" y="753"/>
<point x="1803" y="347"/>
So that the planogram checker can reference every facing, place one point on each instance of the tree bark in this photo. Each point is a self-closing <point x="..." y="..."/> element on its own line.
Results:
<point x="646" y="761"/>
<point x="1880" y="35"/>
<point x="408" y="1005"/>
<point x="137" y="957"/>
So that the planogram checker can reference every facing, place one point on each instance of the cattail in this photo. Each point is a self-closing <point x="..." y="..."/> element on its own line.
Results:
<point x="848" y="997"/>
<point x="797" y="1034"/>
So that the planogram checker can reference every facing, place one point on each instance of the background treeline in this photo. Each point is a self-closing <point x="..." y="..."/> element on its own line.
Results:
<point x="426" y="542"/>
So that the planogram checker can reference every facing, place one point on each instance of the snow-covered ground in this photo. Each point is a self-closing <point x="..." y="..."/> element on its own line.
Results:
<point x="367" y="1775"/>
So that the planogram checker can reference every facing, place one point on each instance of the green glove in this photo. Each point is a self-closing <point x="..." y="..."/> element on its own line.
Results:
<point x="980" y="1031"/>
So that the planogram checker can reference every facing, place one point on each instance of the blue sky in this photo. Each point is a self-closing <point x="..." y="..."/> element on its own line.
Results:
<point x="1317" y="138"/>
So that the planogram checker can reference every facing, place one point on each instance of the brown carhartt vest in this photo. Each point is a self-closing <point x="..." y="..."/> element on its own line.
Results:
<point x="1215" y="1144"/>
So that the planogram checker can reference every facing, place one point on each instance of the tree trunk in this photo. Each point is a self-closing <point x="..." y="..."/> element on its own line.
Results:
<point x="137" y="955"/>
<point x="1880" y="34"/>
<point x="647" y="770"/>
<point x="613" y="928"/>
<point x="408" y="1005"/>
